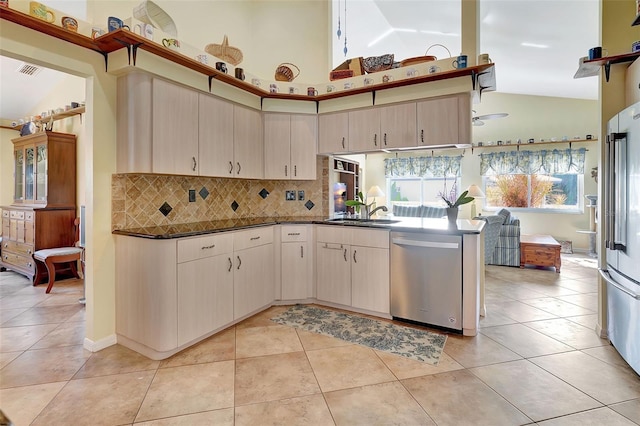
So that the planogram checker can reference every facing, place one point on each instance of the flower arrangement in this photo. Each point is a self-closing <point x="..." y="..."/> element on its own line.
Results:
<point x="449" y="197"/>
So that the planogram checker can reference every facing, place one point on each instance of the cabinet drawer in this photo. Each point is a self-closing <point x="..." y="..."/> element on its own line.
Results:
<point x="207" y="246"/>
<point x="5" y="213"/>
<point x="22" y="262"/>
<point x="17" y="248"/>
<point x="370" y="238"/>
<point x="28" y="215"/>
<point x="333" y="234"/>
<point x="16" y="214"/>
<point x="293" y="233"/>
<point x="253" y="238"/>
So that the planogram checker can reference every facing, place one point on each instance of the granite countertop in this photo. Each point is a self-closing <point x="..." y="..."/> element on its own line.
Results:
<point x="404" y="224"/>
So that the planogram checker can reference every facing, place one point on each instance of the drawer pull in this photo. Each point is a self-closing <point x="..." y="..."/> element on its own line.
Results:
<point x="29" y="251"/>
<point x="354" y="256"/>
<point x="195" y="164"/>
<point x="285" y="170"/>
<point x="230" y="264"/>
<point x="302" y="252"/>
<point x="345" y="255"/>
<point x="239" y="263"/>
<point x="293" y="233"/>
<point x="255" y="238"/>
<point x="295" y="170"/>
<point x="208" y="247"/>
<point x="239" y="168"/>
<point x="230" y="167"/>
<point x="343" y="142"/>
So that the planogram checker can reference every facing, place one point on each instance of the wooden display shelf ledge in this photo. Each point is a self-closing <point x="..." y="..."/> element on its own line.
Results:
<point x="586" y="68"/>
<point x="518" y="145"/>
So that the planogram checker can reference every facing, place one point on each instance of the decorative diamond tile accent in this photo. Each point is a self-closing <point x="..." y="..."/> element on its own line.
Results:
<point x="235" y="205"/>
<point x="165" y="209"/>
<point x="204" y="193"/>
<point x="264" y="193"/>
<point x="309" y="205"/>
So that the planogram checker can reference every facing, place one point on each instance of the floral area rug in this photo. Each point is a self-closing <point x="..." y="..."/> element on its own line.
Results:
<point x="409" y="342"/>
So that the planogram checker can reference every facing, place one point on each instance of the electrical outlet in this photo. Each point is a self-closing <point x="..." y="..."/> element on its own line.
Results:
<point x="300" y="195"/>
<point x="290" y="195"/>
<point x="192" y="195"/>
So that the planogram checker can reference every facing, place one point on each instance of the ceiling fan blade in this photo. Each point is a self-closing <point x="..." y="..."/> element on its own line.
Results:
<point x="492" y="116"/>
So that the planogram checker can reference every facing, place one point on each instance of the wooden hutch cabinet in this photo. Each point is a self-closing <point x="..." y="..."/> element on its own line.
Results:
<point x="44" y="205"/>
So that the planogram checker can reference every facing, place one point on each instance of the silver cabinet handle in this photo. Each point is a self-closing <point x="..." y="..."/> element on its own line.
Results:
<point x="239" y="263"/>
<point x="422" y="135"/>
<point x="293" y="233"/>
<point x="207" y="247"/>
<point x="295" y="170"/>
<point x="230" y="264"/>
<point x="254" y="238"/>
<point x="375" y="139"/>
<point x="354" y="256"/>
<point x="345" y="255"/>
<point x="195" y="164"/>
<point x="230" y="167"/>
<point x="285" y="170"/>
<point x="302" y="252"/>
<point x="385" y="139"/>
<point x="343" y="142"/>
<point x="239" y="168"/>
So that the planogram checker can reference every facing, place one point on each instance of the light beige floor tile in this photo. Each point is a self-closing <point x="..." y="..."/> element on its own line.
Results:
<point x="459" y="398"/>
<point x="608" y="354"/>
<point x="7" y="357"/>
<point x="271" y="340"/>
<point x="66" y="334"/>
<point x="115" y="359"/>
<point x="43" y="366"/>
<point x="569" y="333"/>
<point x="21" y="338"/>
<point x="15" y="301"/>
<point x="347" y="367"/>
<point x="405" y="368"/>
<point x="7" y="314"/>
<point x="519" y="311"/>
<point x="580" y="286"/>
<point x="549" y="289"/>
<point x="604" y="382"/>
<point x="219" y="347"/>
<point x="44" y="315"/>
<point x="22" y="405"/>
<point x="491" y="296"/>
<point x="494" y="317"/>
<point x="274" y="377"/>
<point x="307" y="410"/>
<point x="381" y="404"/>
<point x="312" y="341"/>
<point x="478" y="350"/>
<point x="67" y="298"/>
<point x="222" y="417"/>
<point x="598" y="417"/>
<point x="79" y="316"/>
<point x="515" y="291"/>
<point x="263" y="319"/>
<point x="586" y="300"/>
<point x="524" y="341"/>
<point x="535" y="392"/>
<point x="629" y="409"/>
<point x="558" y="307"/>
<point x="588" y="321"/>
<point x="188" y="389"/>
<point x="107" y="400"/>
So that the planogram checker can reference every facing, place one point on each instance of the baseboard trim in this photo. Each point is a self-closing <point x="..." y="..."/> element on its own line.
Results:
<point x="101" y="344"/>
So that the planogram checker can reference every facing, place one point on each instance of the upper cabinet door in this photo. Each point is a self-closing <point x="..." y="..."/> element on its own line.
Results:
<point x="333" y="134"/>
<point x="248" y="143"/>
<point x="277" y="146"/>
<point x="175" y="129"/>
<point x="364" y="130"/>
<point x="215" y="137"/>
<point x="398" y="125"/>
<point x="444" y="120"/>
<point x="304" y="133"/>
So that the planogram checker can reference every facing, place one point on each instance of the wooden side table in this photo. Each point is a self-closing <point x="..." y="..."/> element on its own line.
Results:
<point x="539" y="250"/>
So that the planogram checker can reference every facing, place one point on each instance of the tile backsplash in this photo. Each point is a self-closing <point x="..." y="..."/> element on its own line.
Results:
<point x="141" y="200"/>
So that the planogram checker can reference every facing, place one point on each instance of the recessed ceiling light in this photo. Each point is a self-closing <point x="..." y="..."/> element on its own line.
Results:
<point x="539" y="46"/>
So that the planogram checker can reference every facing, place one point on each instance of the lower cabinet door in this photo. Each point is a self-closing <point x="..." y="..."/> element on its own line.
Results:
<point x="205" y="296"/>
<point x="296" y="270"/>
<point x="370" y="278"/>
<point x="333" y="265"/>
<point x="254" y="280"/>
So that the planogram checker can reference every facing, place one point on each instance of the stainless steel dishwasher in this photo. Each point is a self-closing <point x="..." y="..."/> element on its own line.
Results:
<point x="426" y="279"/>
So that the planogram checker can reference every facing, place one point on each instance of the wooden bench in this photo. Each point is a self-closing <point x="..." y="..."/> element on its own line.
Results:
<point x="539" y="250"/>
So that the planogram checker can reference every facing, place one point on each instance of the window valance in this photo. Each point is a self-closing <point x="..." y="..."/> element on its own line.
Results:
<point x="440" y="166"/>
<point x="557" y="161"/>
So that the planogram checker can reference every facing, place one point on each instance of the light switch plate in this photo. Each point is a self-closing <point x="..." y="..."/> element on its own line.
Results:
<point x="300" y="195"/>
<point x="192" y="195"/>
<point x="290" y="195"/>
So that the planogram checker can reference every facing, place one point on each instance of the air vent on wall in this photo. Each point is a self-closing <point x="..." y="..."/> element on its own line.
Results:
<point x="28" y="69"/>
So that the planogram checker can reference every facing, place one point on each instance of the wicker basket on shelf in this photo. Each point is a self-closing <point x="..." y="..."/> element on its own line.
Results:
<point x="229" y="54"/>
<point x="285" y="73"/>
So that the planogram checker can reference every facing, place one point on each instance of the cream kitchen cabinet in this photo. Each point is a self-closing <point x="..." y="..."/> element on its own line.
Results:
<point x="290" y="146"/>
<point x="248" y="143"/>
<point x="445" y="120"/>
<point x="296" y="262"/>
<point x="353" y="267"/>
<point x="333" y="133"/>
<point x="254" y="274"/>
<point x="215" y="135"/>
<point x="384" y="127"/>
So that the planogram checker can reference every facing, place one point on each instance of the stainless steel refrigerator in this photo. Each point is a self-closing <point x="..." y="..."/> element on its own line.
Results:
<point x="622" y="233"/>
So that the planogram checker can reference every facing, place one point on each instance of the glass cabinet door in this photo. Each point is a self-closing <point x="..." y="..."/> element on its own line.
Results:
<point x="29" y="172"/>
<point x="19" y="175"/>
<point x="41" y="173"/>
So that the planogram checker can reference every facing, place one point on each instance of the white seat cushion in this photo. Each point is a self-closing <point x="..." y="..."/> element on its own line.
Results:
<point x="62" y="251"/>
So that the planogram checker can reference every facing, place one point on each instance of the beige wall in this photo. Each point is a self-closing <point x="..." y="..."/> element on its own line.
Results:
<point x="6" y="166"/>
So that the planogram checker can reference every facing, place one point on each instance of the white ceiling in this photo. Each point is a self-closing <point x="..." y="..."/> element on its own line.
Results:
<point x="407" y="28"/>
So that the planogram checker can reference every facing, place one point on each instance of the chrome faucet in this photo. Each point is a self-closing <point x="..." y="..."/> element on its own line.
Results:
<point x="366" y="214"/>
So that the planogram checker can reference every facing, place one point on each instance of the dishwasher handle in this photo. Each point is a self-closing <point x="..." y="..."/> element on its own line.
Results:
<point x="421" y="243"/>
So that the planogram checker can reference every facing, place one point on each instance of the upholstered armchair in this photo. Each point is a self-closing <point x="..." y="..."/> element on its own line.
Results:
<point x="419" y="211"/>
<point x="507" y="249"/>
<point x="491" y="235"/>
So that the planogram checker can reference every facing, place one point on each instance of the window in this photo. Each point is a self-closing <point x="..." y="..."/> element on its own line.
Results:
<point x="419" y="190"/>
<point x="544" y="180"/>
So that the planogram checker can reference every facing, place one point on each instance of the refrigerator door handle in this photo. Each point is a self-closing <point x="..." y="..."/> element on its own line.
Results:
<point x="607" y="277"/>
<point x="615" y="207"/>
